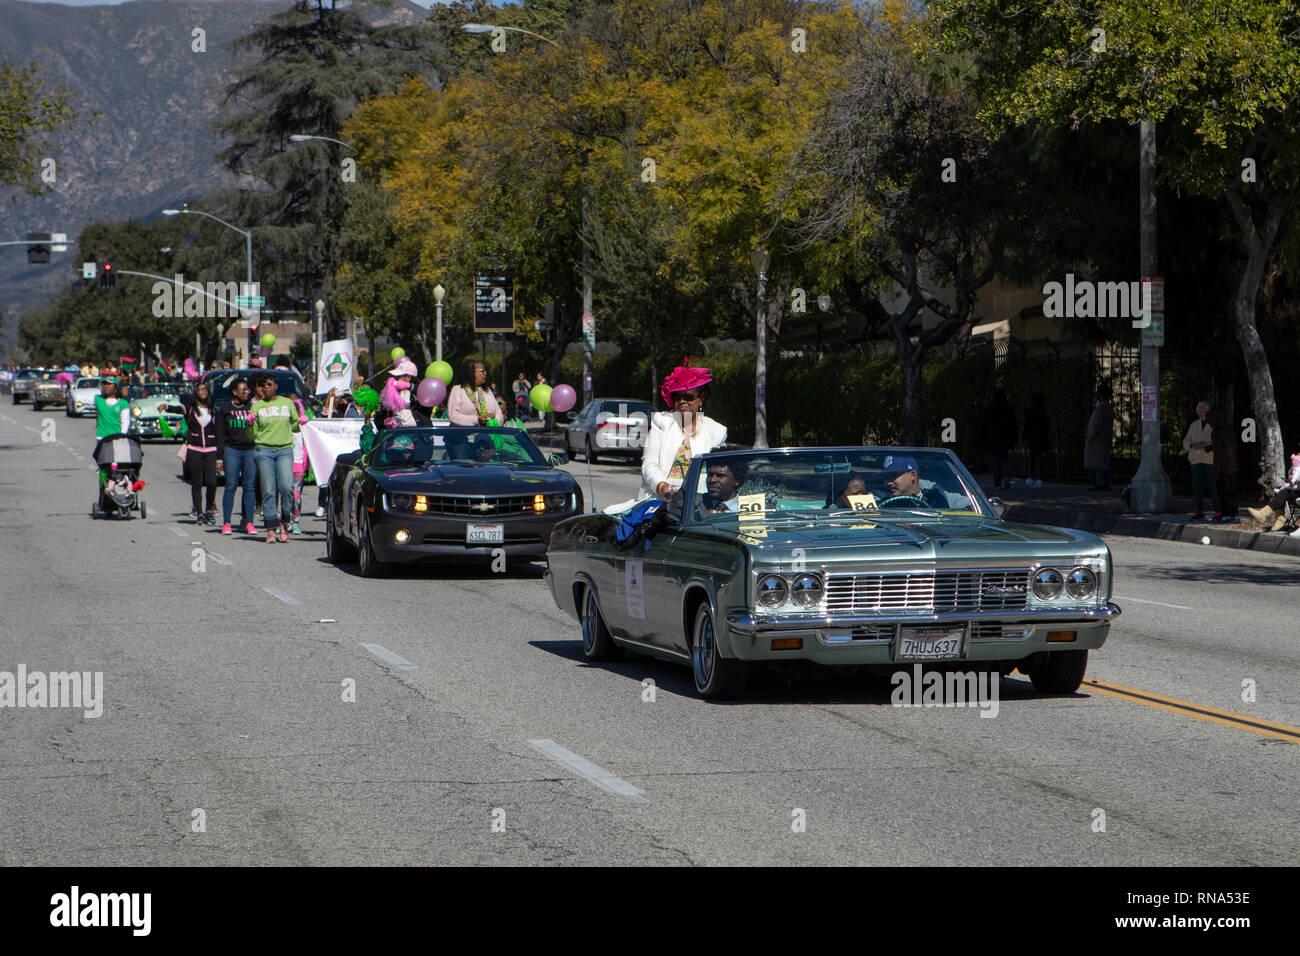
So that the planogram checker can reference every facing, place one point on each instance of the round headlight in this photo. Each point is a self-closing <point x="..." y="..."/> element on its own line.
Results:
<point x="772" y="590"/>
<point x="1080" y="583"/>
<point x="806" y="590"/>
<point x="135" y="412"/>
<point x="401" y="501"/>
<point x="1047" y="584"/>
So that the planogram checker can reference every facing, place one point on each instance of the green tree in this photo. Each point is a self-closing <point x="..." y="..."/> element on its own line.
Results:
<point x="27" y="111"/>
<point x="1220" y="77"/>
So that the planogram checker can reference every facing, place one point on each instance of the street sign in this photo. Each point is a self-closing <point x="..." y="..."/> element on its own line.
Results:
<point x="1150" y="403"/>
<point x="89" y="270"/>
<point x="250" y="300"/>
<point x="588" y="331"/>
<point x="250" y="304"/>
<point x="494" y="302"/>
<point x="1153" y="336"/>
<point x="1154" y="286"/>
<point x="544" y="325"/>
<point x="60" y="240"/>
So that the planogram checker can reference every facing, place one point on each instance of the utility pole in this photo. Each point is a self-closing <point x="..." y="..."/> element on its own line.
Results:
<point x="1150" y="494"/>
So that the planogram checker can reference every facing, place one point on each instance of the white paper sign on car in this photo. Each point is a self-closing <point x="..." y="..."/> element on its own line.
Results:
<point x="751" y="506"/>
<point x="865" y="502"/>
<point x="634" y="582"/>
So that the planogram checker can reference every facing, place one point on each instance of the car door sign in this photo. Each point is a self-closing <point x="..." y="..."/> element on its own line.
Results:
<point x="634" y="583"/>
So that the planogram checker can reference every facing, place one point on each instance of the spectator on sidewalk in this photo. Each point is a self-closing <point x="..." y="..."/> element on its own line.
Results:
<point x="1273" y="516"/>
<point x="1036" y="438"/>
<point x="1096" y="445"/>
<point x="1226" y="464"/>
<point x="998" y="433"/>
<point x="1199" y="442"/>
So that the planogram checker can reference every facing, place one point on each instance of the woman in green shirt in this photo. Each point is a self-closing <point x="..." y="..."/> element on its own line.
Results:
<point x="274" y="420"/>
<point x="110" y="409"/>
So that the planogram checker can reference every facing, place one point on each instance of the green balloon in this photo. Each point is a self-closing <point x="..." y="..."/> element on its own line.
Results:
<point x="396" y="353"/>
<point x="439" y="370"/>
<point x="268" y="340"/>
<point x="540" y="396"/>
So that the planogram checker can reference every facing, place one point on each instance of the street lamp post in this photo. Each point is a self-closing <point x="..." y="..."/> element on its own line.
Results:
<point x="317" y="336"/>
<point x="248" y="253"/>
<point x="438" y="293"/>
<point x="760" y="259"/>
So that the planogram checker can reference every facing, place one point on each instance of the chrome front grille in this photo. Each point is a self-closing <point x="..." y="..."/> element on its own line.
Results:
<point x="927" y="592"/>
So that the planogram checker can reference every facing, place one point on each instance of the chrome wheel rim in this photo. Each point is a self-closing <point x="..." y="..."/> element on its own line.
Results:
<point x="703" y="650"/>
<point x="589" y="618"/>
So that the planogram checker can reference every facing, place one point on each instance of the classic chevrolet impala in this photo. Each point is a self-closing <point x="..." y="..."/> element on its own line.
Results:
<point x="839" y="556"/>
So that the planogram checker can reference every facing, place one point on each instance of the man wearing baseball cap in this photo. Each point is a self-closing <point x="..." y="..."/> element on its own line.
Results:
<point x="903" y="480"/>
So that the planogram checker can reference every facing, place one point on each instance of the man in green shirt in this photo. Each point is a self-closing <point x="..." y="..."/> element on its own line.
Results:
<point x="274" y="420"/>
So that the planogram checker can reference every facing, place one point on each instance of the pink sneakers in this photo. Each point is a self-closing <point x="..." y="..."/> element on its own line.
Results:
<point x="225" y="528"/>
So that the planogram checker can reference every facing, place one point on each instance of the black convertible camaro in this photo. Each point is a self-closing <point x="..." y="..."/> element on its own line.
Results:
<point x="445" y="493"/>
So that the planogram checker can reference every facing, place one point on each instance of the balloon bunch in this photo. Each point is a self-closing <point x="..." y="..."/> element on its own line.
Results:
<point x="558" y="399"/>
<point x="432" y="390"/>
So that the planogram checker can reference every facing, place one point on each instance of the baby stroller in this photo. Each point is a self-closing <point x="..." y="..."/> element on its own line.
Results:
<point x="119" y="458"/>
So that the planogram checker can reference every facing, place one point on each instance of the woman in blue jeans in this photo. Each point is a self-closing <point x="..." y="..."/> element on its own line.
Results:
<point x="274" y="422"/>
<point x="234" y="424"/>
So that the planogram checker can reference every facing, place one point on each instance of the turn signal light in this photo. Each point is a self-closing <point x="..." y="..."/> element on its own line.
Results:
<point x="1057" y="637"/>
<point x="539" y="503"/>
<point x="421" y="503"/>
<point x="787" y="644"/>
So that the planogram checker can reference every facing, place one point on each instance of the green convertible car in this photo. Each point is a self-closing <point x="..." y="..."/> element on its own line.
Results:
<point x="839" y="556"/>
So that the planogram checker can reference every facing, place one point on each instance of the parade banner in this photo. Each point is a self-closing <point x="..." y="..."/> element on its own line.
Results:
<point x="335" y="370"/>
<point x="326" y="439"/>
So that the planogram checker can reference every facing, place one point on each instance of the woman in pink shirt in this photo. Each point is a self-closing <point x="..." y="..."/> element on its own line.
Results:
<point x="470" y="403"/>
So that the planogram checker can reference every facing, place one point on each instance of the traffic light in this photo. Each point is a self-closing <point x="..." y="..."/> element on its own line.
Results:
<point x="107" y="277"/>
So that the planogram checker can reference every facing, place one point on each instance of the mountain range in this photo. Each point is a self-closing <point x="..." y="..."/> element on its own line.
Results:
<point x="153" y="146"/>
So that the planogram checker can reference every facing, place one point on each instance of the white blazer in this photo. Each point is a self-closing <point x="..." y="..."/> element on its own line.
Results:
<point x="663" y="441"/>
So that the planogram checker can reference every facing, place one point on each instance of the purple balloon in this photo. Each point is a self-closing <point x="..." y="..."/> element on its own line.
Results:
<point x="431" y="392"/>
<point x="563" y="398"/>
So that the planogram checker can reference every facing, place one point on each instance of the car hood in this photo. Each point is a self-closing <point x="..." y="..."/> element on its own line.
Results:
<point x="912" y="538"/>
<point x="485" y="479"/>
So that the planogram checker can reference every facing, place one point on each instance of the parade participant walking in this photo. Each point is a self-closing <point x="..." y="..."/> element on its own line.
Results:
<point x="112" y="410"/>
<point x="1096" y="444"/>
<point x="676" y="437"/>
<point x="470" y="403"/>
<point x="275" y="419"/>
<point x="203" y="450"/>
<point x="234" y="422"/>
<point x="1199" y="442"/>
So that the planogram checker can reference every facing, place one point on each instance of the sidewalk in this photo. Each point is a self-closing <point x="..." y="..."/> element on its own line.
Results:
<point x="1102" y="512"/>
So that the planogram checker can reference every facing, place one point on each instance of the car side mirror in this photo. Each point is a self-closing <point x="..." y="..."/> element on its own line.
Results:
<point x="999" y="507"/>
<point x="557" y="458"/>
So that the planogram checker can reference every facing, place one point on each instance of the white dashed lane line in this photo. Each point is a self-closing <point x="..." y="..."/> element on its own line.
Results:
<point x="1177" y="607"/>
<point x="219" y="558"/>
<point x="180" y="532"/>
<point x="383" y="653"/>
<point x="585" y="768"/>
<point x="280" y="595"/>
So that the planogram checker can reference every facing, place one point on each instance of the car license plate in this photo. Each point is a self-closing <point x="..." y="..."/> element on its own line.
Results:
<point x="485" y="534"/>
<point x="929" y="643"/>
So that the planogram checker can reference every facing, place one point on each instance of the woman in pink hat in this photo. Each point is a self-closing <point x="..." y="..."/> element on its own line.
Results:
<point x="676" y="437"/>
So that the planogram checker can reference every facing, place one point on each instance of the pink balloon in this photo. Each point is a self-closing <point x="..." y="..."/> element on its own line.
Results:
<point x="431" y="392"/>
<point x="563" y="398"/>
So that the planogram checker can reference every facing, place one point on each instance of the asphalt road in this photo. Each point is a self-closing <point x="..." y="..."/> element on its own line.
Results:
<point x="220" y="696"/>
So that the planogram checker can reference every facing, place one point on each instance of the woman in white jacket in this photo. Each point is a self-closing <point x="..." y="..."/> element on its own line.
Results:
<point x="678" y="436"/>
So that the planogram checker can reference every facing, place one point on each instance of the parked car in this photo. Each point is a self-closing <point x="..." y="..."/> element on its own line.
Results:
<point x="81" y="397"/>
<point x="145" y="416"/>
<point x="615" y="427"/>
<point x="24" y="384"/>
<point x="48" y="391"/>
<point x="802" y="565"/>
<point x="445" y="493"/>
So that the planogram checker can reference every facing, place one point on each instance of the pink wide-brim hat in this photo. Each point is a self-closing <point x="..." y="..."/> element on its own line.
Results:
<point x="682" y="378"/>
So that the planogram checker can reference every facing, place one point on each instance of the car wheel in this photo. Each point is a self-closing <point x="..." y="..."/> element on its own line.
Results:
<point x="371" y="566"/>
<point x="597" y="643"/>
<point x="716" y="677"/>
<point x="337" y="550"/>
<point x="591" y="456"/>
<point x="94" y="509"/>
<point x="1060" y="672"/>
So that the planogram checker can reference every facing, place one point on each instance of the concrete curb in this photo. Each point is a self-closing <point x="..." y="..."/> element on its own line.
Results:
<point x="1153" y="527"/>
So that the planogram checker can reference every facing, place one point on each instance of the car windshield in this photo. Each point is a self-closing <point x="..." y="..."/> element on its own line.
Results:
<point x="287" y="385"/>
<point x="834" y="483"/>
<point x="163" y="393"/>
<point x="483" y="446"/>
<point x="87" y="383"/>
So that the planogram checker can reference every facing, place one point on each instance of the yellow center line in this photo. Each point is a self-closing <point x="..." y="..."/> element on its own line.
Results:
<point x="1172" y="704"/>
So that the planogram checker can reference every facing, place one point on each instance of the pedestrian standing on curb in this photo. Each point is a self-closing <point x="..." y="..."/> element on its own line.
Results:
<point x="203" y="450"/>
<point x="1096" y="443"/>
<point x="275" y="419"/>
<point x="1199" y="442"/>
<point x="1036" y="438"/>
<point x="998" y="434"/>
<point x="234" y="422"/>
<point x="1226" y="464"/>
